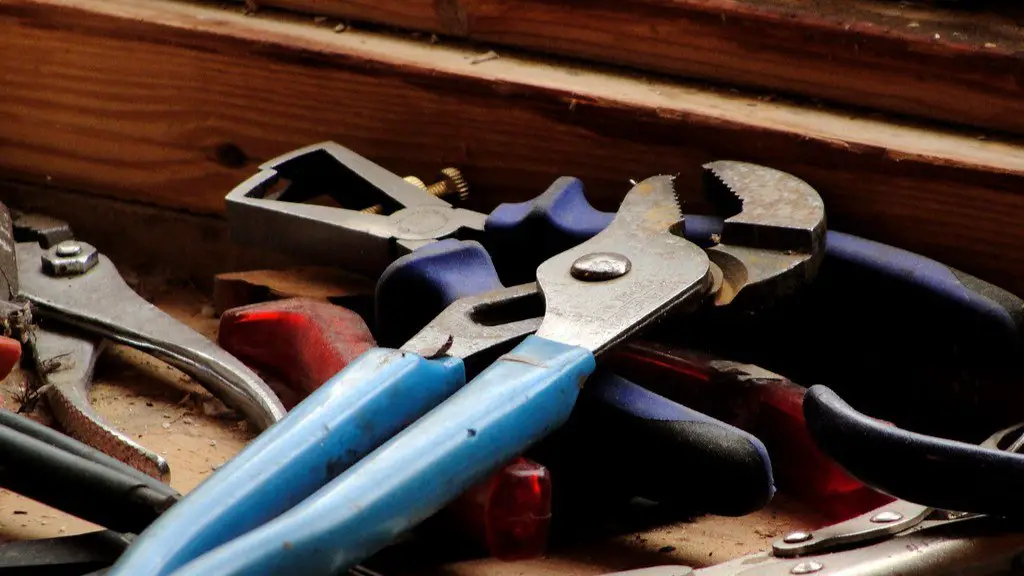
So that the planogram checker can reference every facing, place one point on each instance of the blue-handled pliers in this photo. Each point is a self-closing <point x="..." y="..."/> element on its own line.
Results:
<point x="632" y="273"/>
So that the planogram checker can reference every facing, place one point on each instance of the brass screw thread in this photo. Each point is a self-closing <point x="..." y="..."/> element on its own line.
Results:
<point x="451" y="182"/>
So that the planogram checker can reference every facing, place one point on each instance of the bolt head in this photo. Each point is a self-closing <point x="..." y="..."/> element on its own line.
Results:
<point x="68" y="248"/>
<point x="600" y="266"/>
<point x="886" y="517"/>
<point x="809" y="567"/>
<point x="70" y="258"/>
<point x="797" y="537"/>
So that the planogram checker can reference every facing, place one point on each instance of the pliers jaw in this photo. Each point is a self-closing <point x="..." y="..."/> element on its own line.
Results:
<point x="84" y="301"/>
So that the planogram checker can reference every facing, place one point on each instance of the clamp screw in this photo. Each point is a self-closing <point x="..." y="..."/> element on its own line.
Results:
<point x="451" y="183"/>
<point x="809" y="567"/>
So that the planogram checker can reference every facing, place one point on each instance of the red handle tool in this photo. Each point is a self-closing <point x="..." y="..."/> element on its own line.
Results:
<point x="757" y="401"/>
<point x="301" y="343"/>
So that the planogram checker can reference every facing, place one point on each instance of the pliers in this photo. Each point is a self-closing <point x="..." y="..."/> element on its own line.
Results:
<point x="594" y="296"/>
<point x="81" y="301"/>
<point x="902" y="537"/>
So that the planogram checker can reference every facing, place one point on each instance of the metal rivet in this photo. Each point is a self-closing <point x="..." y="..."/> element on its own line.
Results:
<point x="66" y="249"/>
<point x="600" y="266"/>
<point x="886" y="517"/>
<point x="797" y="537"/>
<point x="808" y="567"/>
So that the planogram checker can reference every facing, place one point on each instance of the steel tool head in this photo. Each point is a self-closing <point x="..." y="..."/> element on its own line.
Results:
<point x="632" y="272"/>
<point x="482" y="323"/>
<point x="268" y="210"/>
<point x="776" y="241"/>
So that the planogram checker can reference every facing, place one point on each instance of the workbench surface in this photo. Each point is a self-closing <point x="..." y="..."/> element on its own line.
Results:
<point x="171" y="415"/>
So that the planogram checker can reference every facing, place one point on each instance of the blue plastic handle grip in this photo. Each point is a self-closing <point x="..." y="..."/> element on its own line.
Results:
<point x="516" y="401"/>
<point x="420" y="285"/>
<point x="983" y="300"/>
<point x="353" y="413"/>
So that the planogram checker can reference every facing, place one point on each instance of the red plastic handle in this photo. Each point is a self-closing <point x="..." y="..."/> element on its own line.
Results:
<point x="300" y="343"/>
<point x="757" y="401"/>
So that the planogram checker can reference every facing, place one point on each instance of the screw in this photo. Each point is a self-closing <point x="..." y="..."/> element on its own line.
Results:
<point x="886" y="517"/>
<point x="797" y="537"/>
<point x="600" y="266"/>
<point x="451" y="183"/>
<point x="808" y="567"/>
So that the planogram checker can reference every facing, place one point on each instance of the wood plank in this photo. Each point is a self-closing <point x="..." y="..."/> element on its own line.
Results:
<point x="952" y="64"/>
<point x="173" y="104"/>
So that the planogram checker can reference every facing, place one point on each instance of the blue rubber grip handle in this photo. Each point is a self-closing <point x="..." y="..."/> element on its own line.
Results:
<point x="521" y="236"/>
<point x="420" y="285"/>
<point x="984" y="301"/>
<point x="516" y="401"/>
<point x="353" y="413"/>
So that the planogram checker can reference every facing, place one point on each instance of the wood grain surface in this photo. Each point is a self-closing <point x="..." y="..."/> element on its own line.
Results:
<point x="962" y="64"/>
<point x="170" y="103"/>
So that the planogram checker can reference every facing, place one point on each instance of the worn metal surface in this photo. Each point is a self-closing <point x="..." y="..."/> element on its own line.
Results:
<point x="8" y="263"/>
<point x="266" y="211"/>
<point x="979" y="546"/>
<point x="855" y="530"/>
<point x="777" y="240"/>
<point x="665" y="269"/>
<point x="101" y="303"/>
<point x="458" y="331"/>
<point x="65" y="360"/>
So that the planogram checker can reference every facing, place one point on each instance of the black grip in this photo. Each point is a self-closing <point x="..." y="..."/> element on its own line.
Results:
<point x="625" y="436"/>
<point x="915" y="467"/>
<point x="95" y="488"/>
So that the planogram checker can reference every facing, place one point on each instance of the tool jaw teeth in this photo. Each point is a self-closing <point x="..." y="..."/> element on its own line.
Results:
<point x="768" y="209"/>
<point x="773" y="240"/>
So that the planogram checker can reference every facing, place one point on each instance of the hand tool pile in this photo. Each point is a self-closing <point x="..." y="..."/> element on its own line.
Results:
<point x="530" y="367"/>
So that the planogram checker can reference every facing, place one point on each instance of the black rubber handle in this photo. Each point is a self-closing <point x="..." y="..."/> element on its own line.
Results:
<point x="624" y="437"/>
<point x="923" y="469"/>
<point x="63" y="473"/>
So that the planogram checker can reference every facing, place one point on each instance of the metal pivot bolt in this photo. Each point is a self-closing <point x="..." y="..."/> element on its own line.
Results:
<point x="809" y="567"/>
<point x="886" y="517"/>
<point x="600" y="266"/>
<point x="797" y="537"/>
<point x="452" y="183"/>
<point x="70" y="258"/>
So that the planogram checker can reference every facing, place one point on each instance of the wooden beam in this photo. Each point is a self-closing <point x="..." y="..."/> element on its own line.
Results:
<point x="956" y="65"/>
<point x="171" y="103"/>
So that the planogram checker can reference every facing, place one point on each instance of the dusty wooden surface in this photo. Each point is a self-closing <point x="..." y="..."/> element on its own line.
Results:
<point x="173" y="104"/>
<point x="960" y="65"/>
<point x="161" y="408"/>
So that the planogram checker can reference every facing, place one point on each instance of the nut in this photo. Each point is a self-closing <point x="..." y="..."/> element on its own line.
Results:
<point x="70" y="258"/>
